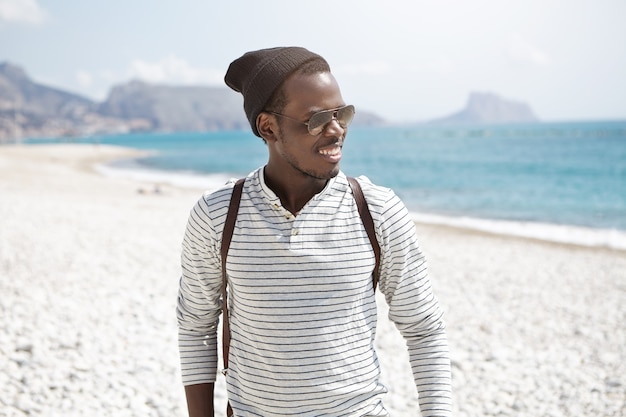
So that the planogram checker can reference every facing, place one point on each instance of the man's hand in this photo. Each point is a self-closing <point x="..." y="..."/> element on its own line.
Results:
<point x="200" y="400"/>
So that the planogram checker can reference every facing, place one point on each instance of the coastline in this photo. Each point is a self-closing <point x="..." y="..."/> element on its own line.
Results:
<point x="609" y="239"/>
<point x="89" y="266"/>
<point x="612" y="239"/>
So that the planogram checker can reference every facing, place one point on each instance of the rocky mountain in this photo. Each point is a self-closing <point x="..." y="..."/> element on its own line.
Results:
<point x="27" y="107"/>
<point x="176" y="108"/>
<point x="489" y="108"/>
<point x="30" y="109"/>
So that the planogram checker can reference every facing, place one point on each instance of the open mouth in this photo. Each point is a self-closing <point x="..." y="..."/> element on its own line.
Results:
<point x="332" y="153"/>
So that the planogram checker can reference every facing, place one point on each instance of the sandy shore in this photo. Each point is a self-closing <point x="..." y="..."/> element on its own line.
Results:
<point x="88" y="279"/>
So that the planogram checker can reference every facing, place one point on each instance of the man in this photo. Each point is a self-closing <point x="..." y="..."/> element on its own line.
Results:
<point x="301" y="301"/>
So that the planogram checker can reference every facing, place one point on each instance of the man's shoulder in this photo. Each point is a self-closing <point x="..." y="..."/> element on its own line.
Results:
<point x="220" y="196"/>
<point x="376" y="195"/>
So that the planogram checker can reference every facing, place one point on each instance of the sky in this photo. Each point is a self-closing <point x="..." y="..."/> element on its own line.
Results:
<point x="409" y="60"/>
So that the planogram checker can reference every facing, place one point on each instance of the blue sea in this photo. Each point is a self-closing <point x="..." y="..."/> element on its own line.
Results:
<point x="555" y="181"/>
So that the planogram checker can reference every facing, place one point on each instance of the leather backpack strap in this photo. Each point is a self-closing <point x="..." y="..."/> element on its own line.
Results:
<point x="227" y="234"/>
<point x="368" y="222"/>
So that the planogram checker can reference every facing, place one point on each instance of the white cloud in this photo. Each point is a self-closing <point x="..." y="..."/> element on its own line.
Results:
<point x="21" y="11"/>
<point x="174" y="70"/>
<point x="520" y="50"/>
<point x="84" y="78"/>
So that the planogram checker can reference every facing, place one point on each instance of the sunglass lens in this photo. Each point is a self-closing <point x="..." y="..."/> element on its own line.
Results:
<point x="318" y="121"/>
<point x="345" y="115"/>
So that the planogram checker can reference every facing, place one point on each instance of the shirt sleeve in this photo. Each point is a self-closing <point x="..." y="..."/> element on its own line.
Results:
<point x="199" y="298"/>
<point x="414" y="308"/>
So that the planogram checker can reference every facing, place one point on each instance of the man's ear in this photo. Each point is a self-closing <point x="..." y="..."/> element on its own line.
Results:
<point x="267" y="127"/>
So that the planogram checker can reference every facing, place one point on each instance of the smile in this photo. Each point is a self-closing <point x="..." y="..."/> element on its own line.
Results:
<point x="334" y="151"/>
<point x="332" y="154"/>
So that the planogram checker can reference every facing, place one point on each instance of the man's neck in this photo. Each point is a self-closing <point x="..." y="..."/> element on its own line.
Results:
<point x="293" y="191"/>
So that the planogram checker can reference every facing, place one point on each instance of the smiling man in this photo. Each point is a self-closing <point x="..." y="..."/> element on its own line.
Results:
<point x="300" y="265"/>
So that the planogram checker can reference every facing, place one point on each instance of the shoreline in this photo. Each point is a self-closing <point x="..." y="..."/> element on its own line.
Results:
<point x="610" y="239"/>
<point x="125" y="167"/>
<point x="556" y="234"/>
<point x="89" y="268"/>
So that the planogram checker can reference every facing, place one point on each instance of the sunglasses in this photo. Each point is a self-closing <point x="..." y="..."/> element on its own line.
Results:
<point x="318" y="121"/>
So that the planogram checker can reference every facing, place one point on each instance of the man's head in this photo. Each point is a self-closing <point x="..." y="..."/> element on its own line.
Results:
<point x="259" y="76"/>
<point x="294" y="104"/>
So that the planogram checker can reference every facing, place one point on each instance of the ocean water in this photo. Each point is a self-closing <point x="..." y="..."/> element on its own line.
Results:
<point x="555" y="181"/>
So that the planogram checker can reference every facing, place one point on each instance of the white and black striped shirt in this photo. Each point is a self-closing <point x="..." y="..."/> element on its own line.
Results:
<point x="302" y="306"/>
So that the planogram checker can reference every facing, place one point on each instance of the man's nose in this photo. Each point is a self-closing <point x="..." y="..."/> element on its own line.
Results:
<point x="334" y="128"/>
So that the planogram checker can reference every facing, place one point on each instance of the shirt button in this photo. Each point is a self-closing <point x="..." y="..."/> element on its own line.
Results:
<point x="294" y="232"/>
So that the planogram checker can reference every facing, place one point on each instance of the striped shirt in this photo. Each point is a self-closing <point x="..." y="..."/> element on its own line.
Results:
<point x="301" y="303"/>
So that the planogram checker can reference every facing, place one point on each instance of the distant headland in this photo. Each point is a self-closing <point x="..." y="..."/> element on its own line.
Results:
<point x="490" y="108"/>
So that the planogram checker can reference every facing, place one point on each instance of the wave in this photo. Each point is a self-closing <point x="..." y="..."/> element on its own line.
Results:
<point x="132" y="170"/>
<point x="565" y="234"/>
<point x="555" y="233"/>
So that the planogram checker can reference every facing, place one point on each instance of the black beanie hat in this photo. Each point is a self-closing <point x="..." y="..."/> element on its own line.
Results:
<point x="257" y="74"/>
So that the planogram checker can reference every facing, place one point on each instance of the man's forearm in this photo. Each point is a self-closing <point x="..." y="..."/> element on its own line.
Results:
<point x="431" y="371"/>
<point x="200" y="400"/>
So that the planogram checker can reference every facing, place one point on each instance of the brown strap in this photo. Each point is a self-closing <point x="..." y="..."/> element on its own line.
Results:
<point x="368" y="222"/>
<point x="227" y="234"/>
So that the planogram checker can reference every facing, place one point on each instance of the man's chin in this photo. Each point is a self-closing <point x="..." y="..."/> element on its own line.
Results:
<point x="323" y="175"/>
<point x="333" y="173"/>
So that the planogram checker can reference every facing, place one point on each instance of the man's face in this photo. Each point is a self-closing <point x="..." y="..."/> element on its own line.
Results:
<point x="301" y="153"/>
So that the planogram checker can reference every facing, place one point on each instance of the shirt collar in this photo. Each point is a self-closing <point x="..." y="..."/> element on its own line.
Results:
<point x="274" y="199"/>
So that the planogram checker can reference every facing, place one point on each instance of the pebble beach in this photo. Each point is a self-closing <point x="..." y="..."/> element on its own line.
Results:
<point x="89" y="268"/>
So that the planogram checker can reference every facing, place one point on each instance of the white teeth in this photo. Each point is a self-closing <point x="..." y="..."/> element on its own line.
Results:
<point x="330" y="152"/>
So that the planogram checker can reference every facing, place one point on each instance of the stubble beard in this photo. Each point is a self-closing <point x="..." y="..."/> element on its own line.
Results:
<point x="311" y="172"/>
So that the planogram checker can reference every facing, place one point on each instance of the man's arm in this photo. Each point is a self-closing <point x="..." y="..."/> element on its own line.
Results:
<point x="198" y="309"/>
<point x="200" y="400"/>
<point x="414" y="309"/>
